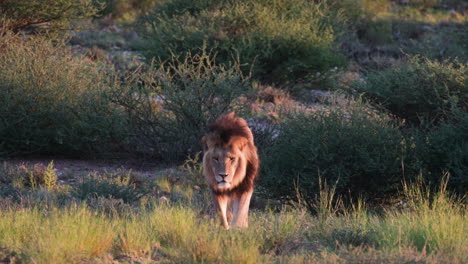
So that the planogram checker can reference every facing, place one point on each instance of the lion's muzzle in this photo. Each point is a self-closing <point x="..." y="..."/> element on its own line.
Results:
<point x="221" y="180"/>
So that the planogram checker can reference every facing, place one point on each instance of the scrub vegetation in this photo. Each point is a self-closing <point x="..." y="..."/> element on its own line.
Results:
<point x="358" y="109"/>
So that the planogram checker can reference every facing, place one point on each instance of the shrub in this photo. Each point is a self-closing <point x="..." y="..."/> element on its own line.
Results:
<point x="108" y="186"/>
<point x="356" y="14"/>
<point x="449" y="41"/>
<point x="284" y="40"/>
<point x="123" y="9"/>
<point x="38" y="16"/>
<point x="425" y="3"/>
<point x="171" y="105"/>
<point x="419" y="91"/>
<point x="35" y="176"/>
<point x="445" y="149"/>
<point x="359" y="151"/>
<point x="52" y="101"/>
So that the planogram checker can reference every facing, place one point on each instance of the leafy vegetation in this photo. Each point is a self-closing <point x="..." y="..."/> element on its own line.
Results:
<point x="444" y="149"/>
<point x="126" y="11"/>
<point x="170" y="105"/>
<point x="356" y="149"/>
<point x="43" y="16"/>
<point x="51" y="109"/>
<point x="420" y="91"/>
<point x="282" y="40"/>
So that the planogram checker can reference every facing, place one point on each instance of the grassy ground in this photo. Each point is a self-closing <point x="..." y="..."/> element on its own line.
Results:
<point x="122" y="216"/>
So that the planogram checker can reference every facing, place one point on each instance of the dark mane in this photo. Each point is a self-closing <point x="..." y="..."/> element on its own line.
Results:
<point x="229" y="126"/>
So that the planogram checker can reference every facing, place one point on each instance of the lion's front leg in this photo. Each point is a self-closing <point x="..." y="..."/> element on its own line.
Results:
<point x="221" y="204"/>
<point x="241" y="209"/>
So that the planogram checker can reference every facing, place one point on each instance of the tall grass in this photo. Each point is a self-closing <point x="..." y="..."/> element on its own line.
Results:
<point x="430" y="227"/>
<point x="432" y="222"/>
<point x="58" y="236"/>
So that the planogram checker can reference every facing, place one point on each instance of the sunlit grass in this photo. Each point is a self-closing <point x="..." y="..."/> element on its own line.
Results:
<point x="432" y="227"/>
<point x="431" y="222"/>
<point x="57" y="236"/>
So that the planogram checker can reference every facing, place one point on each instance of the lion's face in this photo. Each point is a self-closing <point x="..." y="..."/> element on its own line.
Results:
<point x="226" y="166"/>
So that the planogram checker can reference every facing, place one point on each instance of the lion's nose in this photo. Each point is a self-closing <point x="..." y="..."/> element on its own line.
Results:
<point x="224" y="175"/>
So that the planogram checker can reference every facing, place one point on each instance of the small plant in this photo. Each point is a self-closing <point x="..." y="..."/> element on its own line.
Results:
<point x="50" y="177"/>
<point x="193" y="166"/>
<point x="36" y="176"/>
<point x="108" y="186"/>
<point x="326" y="204"/>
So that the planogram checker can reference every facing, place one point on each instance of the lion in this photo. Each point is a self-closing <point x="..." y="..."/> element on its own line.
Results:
<point x="231" y="164"/>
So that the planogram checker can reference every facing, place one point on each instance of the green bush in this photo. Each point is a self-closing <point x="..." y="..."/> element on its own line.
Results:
<point x="445" y="149"/>
<point x="450" y="41"/>
<point x="38" y="16"/>
<point x="170" y="105"/>
<point x="283" y="40"/>
<point x="109" y="186"/>
<point x="425" y="3"/>
<point x="356" y="14"/>
<point x="52" y="101"/>
<point x="359" y="151"/>
<point x="376" y="33"/>
<point x="420" y="90"/>
<point x="123" y="9"/>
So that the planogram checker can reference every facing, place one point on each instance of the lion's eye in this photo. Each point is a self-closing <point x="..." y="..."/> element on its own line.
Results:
<point x="231" y="158"/>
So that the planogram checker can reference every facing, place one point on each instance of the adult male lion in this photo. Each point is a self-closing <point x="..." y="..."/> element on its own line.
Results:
<point x="230" y="164"/>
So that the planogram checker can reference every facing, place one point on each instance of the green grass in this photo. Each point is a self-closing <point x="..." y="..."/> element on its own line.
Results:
<point x="57" y="236"/>
<point x="431" y="222"/>
<point x="430" y="228"/>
